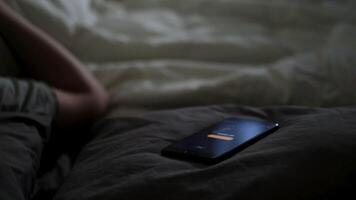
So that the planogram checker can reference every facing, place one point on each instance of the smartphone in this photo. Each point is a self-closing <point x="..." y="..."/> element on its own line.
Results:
<point x="221" y="140"/>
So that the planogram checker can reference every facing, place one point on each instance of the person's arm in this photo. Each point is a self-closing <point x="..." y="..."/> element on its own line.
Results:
<point x="81" y="98"/>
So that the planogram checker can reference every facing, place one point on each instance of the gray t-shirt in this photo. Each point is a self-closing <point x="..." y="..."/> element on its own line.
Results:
<point x="27" y="109"/>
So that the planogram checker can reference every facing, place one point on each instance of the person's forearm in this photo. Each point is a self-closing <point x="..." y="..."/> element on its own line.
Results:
<point x="42" y="56"/>
<point x="80" y="96"/>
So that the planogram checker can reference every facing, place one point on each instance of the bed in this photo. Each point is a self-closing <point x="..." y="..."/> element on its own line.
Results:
<point x="312" y="156"/>
<point x="173" y="68"/>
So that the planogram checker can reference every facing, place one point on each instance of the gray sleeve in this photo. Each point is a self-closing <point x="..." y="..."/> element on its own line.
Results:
<point x="27" y="109"/>
<point x="27" y="97"/>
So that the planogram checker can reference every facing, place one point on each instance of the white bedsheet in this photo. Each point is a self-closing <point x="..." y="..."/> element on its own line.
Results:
<point x="165" y="53"/>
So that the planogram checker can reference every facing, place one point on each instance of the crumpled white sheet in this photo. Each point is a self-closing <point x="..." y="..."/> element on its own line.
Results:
<point x="163" y="53"/>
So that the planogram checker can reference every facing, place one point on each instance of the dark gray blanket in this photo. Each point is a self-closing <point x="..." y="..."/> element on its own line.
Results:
<point x="312" y="156"/>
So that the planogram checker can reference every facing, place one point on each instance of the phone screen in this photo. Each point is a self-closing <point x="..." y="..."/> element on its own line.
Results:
<point x="223" y="137"/>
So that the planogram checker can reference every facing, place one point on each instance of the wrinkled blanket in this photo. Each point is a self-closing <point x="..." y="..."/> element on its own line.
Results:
<point x="311" y="156"/>
<point x="162" y="53"/>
